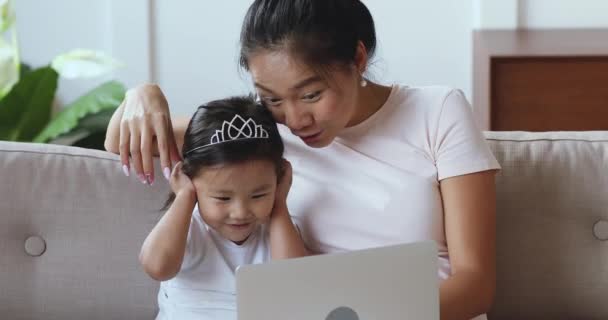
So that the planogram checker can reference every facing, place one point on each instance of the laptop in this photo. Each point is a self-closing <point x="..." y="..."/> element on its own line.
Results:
<point x="387" y="283"/>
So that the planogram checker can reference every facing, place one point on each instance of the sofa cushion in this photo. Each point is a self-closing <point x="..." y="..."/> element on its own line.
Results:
<point x="551" y="192"/>
<point x="84" y="222"/>
<point x="88" y="220"/>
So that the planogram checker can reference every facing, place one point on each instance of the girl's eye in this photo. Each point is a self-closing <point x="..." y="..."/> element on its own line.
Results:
<point x="222" y="198"/>
<point x="312" y="97"/>
<point x="258" y="196"/>
<point x="272" y="102"/>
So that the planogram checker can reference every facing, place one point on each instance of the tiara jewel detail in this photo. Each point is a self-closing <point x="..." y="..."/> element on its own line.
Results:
<point x="236" y="129"/>
<point x="239" y="128"/>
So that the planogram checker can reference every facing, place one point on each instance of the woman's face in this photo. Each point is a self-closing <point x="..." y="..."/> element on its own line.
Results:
<point x="314" y="108"/>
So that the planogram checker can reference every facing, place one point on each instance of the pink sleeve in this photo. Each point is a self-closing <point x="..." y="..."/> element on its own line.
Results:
<point x="460" y="147"/>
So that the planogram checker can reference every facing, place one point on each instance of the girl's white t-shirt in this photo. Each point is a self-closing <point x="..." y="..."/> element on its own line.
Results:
<point x="377" y="183"/>
<point x="205" y="287"/>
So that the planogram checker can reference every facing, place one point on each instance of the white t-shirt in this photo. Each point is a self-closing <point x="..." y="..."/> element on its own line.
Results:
<point x="377" y="183"/>
<point x="205" y="287"/>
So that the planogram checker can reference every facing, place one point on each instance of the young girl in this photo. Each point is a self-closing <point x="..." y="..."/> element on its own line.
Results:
<point x="228" y="210"/>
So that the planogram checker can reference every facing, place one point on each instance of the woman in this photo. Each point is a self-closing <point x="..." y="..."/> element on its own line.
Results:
<point x="373" y="165"/>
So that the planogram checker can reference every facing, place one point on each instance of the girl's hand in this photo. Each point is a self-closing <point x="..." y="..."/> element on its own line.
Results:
<point x="140" y="123"/>
<point x="285" y="239"/>
<point x="180" y="182"/>
<point x="280" y="200"/>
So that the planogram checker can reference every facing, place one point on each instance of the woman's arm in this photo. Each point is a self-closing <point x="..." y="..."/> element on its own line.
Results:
<point x="285" y="240"/>
<point x="469" y="203"/>
<point x="163" y="250"/>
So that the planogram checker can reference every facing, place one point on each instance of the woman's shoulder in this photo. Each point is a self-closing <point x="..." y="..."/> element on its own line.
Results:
<point x="425" y="96"/>
<point x="420" y="106"/>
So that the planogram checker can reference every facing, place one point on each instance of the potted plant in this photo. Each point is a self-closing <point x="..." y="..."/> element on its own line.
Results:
<point x="27" y="95"/>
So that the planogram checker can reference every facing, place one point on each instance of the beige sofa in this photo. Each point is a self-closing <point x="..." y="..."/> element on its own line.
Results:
<point x="71" y="225"/>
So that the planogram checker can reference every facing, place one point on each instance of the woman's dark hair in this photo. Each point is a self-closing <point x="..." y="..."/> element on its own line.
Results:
<point x="198" y="152"/>
<point x="322" y="33"/>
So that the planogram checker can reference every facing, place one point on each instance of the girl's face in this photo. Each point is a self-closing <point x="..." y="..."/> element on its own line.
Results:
<point x="313" y="109"/>
<point x="236" y="198"/>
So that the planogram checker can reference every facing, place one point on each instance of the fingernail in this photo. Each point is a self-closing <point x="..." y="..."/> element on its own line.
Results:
<point x="150" y="179"/>
<point x="142" y="178"/>
<point x="125" y="170"/>
<point x="167" y="173"/>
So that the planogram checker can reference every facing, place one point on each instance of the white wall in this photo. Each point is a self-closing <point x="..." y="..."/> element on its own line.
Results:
<point x="48" y="28"/>
<point x="117" y="27"/>
<point x="420" y="44"/>
<point x="542" y="14"/>
<point x="196" y="49"/>
<point x="190" y="47"/>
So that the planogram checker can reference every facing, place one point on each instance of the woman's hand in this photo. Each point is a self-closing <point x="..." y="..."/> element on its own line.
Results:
<point x="180" y="182"/>
<point x="280" y="200"/>
<point x="138" y="126"/>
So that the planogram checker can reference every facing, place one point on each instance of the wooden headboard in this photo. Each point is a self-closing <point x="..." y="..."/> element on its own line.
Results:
<point x="541" y="80"/>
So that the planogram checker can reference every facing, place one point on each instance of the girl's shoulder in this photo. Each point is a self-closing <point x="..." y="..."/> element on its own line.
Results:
<point x="196" y="241"/>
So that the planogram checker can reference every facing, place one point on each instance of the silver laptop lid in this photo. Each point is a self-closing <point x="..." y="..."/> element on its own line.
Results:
<point x="388" y="283"/>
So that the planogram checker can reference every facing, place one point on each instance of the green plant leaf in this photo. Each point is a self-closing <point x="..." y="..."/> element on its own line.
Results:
<point x="9" y="70"/>
<point x="96" y="121"/>
<point x="26" y="109"/>
<point x="107" y="96"/>
<point x="7" y="15"/>
<point x="92" y="141"/>
<point x="81" y="63"/>
<point x="24" y="69"/>
<point x="91" y="124"/>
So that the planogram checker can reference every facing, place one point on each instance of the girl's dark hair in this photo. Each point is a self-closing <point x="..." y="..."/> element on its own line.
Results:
<point x="322" y="33"/>
<point x="210" y="117"/>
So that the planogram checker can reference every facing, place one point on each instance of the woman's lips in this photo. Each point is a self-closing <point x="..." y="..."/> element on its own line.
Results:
<point x="311" y="138"/>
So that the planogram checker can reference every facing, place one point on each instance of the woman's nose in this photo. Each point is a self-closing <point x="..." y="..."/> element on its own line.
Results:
<point x="297" y="118"/>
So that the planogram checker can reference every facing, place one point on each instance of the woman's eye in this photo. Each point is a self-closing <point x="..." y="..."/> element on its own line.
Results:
<point x="273" y="102"/>
<point x="258" y="196"/>
<point x="312" y="97"/>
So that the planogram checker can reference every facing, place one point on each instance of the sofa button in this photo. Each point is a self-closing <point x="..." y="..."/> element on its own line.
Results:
<point x="600" y="230"/>
<point x="35" y="246"/>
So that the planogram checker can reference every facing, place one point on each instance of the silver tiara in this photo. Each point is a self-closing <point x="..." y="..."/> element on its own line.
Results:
<point x="237" y="129"/>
